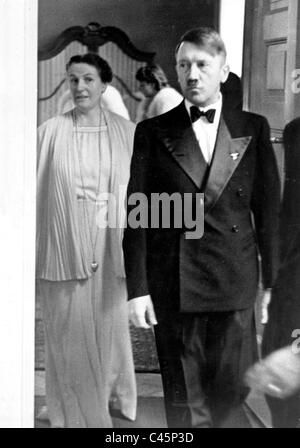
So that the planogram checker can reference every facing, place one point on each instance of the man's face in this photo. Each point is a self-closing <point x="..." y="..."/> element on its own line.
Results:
<point x="200" y="73"/>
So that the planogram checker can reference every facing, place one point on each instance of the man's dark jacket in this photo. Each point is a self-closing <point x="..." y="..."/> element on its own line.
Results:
<point x="218" y="272"/>
<point x="283" y="327"/>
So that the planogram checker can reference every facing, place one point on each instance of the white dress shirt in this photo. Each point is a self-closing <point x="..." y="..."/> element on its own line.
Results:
<point x="206" y="133"/>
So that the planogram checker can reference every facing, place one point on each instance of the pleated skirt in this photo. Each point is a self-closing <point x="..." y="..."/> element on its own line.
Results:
<point x="89" y="363"/>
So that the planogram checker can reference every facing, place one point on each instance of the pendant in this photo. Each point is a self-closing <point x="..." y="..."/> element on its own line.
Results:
<point x="94" y="266"/>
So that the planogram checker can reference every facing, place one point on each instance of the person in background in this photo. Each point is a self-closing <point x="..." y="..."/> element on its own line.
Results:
<point x="232" y="92"/>
<point x="159" y="97"/>
<point x="277" y="373"/>
<point x="84" y="155"/>
<point x="199" y="289"/>
<point x="110" y="100"/>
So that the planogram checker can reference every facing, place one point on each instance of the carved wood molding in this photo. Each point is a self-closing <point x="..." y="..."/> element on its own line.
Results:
<point x="56" y="89"/>
<point x="94" y="36"/>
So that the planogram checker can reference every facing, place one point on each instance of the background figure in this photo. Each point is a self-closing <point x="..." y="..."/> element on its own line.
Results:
<point x="232" y="91"/>
<point x="159" y="96"/>
<point x="83" y="155"/>
<point x="201" y="290"/>
<point x="283" y="325"/>
<point x="110" y="100"/>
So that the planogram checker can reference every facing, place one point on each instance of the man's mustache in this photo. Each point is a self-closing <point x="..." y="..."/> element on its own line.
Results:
<point x="192" y="83"/>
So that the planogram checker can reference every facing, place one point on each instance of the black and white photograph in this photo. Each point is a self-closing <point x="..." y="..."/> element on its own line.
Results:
<point x="150" y="216"/>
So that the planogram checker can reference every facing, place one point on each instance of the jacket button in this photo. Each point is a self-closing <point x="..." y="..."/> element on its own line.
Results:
<point x="240" y="192"/>
<point x="235" y="229"/>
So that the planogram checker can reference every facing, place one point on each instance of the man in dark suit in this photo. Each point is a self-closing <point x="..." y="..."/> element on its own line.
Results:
<point x="283" y="326"/>
<point x="201" y="291"/>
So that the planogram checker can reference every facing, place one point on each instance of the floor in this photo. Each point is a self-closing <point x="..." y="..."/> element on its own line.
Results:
<point x="254" y="414"/>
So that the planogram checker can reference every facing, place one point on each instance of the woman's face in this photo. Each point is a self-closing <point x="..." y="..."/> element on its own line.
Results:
<point x="85" y="85"/>
<point x="147" y="89"/>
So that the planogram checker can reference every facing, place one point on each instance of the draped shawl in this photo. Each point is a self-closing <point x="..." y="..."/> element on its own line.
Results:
<point x="59" y="252"/>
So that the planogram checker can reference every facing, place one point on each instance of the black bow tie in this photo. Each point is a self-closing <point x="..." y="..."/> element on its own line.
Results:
<point x="196" y="113"/>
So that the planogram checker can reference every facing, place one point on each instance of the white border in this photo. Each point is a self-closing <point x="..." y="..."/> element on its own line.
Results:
<point x="18" y="85"/>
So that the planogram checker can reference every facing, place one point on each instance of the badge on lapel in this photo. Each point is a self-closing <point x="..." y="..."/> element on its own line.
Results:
<point x="234" y="155"/>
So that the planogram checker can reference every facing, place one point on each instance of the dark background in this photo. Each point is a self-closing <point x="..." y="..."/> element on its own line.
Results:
<point x="152" y="25"/>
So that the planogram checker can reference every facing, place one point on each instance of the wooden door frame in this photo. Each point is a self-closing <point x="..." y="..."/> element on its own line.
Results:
<point x="292" y="104"/>
<point x="247" y="53"/>
<point x="292" y="109"/>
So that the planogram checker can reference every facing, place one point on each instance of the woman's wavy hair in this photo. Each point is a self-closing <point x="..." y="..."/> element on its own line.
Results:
<point x="152" y="74"/>
<point x="102" y="67"/>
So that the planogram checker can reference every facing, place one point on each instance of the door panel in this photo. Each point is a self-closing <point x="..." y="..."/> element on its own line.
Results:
<point x="270" y="59"/>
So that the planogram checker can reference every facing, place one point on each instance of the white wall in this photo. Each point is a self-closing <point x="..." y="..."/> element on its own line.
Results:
<point x="232" y="31"/>
<point x="18" y="47"/>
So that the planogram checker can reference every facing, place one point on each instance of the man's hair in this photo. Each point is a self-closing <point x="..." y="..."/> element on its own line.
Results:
<point x="102" y="67"/>
<point x="205" y="37"/>
<point x="152" y="74"/>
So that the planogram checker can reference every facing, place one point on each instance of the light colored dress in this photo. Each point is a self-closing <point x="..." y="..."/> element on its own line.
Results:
<point x="165" y="99"/>
<point x="89" y="364"/>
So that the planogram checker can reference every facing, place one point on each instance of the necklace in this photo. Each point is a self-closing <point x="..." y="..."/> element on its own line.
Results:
<point x="94" y="263"/>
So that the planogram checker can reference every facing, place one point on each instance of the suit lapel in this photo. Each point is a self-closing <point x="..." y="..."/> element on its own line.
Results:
<point x="228" y="154"/>
<point x="184" y="147"/>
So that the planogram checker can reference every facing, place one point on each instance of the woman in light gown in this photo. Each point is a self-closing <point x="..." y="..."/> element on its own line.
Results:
<point x="158" y="96"/>
<point x="83" y="170"/>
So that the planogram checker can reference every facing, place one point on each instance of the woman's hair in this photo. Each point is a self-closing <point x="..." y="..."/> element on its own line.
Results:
<point x="152" y="74"/>
<point x="204" y="37"/>
<point x="102" y="67"/>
